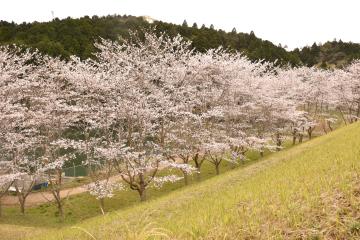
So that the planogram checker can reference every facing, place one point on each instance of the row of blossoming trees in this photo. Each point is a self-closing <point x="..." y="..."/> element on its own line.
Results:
<point x="144" y="106"/>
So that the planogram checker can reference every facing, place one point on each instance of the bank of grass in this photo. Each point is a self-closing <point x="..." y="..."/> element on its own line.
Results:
<point x="83" y="206"/>
<point x="311" y="191"/>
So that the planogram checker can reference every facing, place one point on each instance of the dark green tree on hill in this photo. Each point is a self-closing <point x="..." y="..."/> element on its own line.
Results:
<point x="77" y="37"/>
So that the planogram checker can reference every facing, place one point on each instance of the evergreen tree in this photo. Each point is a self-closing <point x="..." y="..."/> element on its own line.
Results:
<point x="70" y="36"/>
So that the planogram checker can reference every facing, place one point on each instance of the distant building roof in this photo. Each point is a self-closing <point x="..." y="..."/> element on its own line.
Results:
<point x="149" y="19"/>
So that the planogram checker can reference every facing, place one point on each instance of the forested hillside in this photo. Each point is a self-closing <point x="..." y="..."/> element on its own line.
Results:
<point x="330" y="54"/>
<point x="76" y="37"/>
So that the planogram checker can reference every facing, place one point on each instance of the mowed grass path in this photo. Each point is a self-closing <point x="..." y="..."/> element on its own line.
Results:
<point x="311" y="191"/>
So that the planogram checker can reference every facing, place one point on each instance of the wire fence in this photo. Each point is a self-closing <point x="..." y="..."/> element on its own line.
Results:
<point x="76" y="171"/>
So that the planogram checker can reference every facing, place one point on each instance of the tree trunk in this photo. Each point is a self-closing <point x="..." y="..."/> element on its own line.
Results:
<point x="350" y="118"/>
<point x="0" y="208"/>
<point x="198" y="174"/>
<point x="294" y="140"/>
<point x="278" y="142"/>
<point x="294" y="132"/>
<point x="22" y="198"/>
<point x="343" y="117"/>
<point x="242" y="159"/>
<point x="323" y="125"/>
<point x="329" y="125"/>
<point x="186" y="178"/>
<point x="102" y="204"/>
<point x="261" y="153"/>
<point x="60" y="209"/>
<point x="310" y="132"/>
<point x="142" y="188"/>
<point x="301" y="138"/>
<point x="56" y="193"/>
<point x="22" y="206"/>
<point x="278" y="145"/>
<point x="57" y="197"/>
<point x="198" y="164"/>
<point x="217" y="167"/>
<point x="142" y="193"/>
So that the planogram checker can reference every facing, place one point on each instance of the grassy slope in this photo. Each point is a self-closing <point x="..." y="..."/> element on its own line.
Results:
<point x="80" y="207"/>
<point x="309" y="191"/>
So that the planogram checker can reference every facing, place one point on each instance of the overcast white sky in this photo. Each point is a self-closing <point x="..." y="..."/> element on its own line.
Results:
<point x="295" y="23"/>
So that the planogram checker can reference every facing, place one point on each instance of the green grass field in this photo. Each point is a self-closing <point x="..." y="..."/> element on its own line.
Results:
<point x="80" y="207"/>
<point x="310" y="191"/>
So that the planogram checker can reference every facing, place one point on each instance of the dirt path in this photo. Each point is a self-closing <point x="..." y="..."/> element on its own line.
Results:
<point x="42" y="197"/>
<point x="38" y="198"/>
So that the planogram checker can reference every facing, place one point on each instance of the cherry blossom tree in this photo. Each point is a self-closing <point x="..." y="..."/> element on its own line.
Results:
<point x="146" y="102"/>
<point x="215" y="152"/>
<point x="20" y="117"/>
<point x="102" y="189"/>
<point x="152" y="103"/>
<point x="346" y="93"/>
